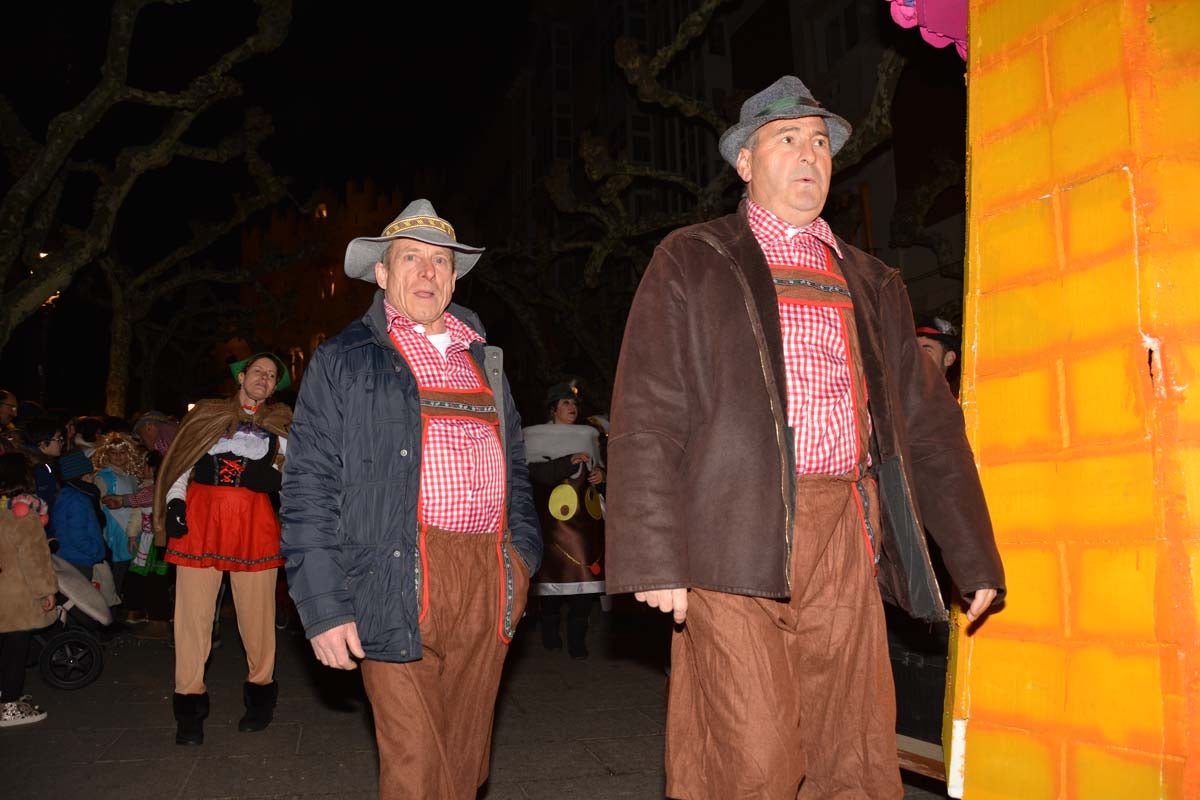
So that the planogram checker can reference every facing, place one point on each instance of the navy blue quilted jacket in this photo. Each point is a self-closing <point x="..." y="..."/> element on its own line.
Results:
<point x="351" y="482"/>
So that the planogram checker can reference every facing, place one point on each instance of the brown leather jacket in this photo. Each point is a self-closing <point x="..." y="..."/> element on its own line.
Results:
<point x="700" y="456"/>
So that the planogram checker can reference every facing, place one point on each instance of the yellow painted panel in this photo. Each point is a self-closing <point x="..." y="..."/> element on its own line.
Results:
<point x="1174" y="28"/>
<point x="1110" y="492"/>
<point x="1035" y="593"/>
<point x="1072" y="499"/>
<point x="1171" y="277"/>
<point x="1023" y="412"/>
<point x="1015" y="244"/>
<point x="1112" y="592"/>
<point x="1098" y="217"/>
<point x="1101" y="302"/>
<point x="1166" y="197"/>
<point x="1018" y="323"/>
<point x="1003" y="764"/>
<point x="1096" y="32"/>
<point x="1188" y="459"/>
<point x="1017" y="682"/>
<point x="1170" y="116"/>
<point x="1103" y="404"/>
<point x="1185" y="368"/>
<point x="1193" y="555"/>
<point x="1007" y="91"/>
<point x="1103" y="773"/>
<point x="1115" y="696"/>
<point x="1023" y="499"/>
<point x="1017" y="164"/>
<point x="1091" y="134"/>
<point x="999" y="24"/>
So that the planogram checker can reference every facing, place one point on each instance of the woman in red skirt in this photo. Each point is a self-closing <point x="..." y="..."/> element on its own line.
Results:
<point x="213" y="511"/>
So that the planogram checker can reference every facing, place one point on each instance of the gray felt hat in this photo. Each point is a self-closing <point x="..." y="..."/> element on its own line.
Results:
<point x="786" y="98"/>
<point x="417" y="221"/>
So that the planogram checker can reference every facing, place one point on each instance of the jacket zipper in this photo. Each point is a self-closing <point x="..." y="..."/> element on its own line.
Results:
<point x="769" y="380"/>
<point x="506" y="623"/>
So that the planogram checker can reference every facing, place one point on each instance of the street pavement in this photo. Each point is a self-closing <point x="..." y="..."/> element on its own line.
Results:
<point x="565" y="729"/>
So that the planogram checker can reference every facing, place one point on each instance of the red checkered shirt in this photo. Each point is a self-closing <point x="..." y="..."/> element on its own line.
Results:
<point x="462" y="463"/>
<point x="820" y="397"/>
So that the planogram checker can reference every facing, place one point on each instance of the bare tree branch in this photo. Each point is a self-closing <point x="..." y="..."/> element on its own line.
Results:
<point x="910" y="225"/>
<point x="875" y="128"/>
<point x="34" y="196"/>
<point x="642" y="72"/>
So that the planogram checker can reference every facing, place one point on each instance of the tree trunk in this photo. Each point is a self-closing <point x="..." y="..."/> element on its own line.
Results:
<point x="119" y="351"/>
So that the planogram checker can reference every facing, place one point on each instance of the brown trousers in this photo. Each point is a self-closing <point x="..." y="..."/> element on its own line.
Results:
<point x="433" y="717"/>
<point x="790" y="700"/>
<point x="195" y="601"/>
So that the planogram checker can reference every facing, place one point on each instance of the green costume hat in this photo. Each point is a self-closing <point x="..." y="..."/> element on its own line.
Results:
<point x="285" y="377"/>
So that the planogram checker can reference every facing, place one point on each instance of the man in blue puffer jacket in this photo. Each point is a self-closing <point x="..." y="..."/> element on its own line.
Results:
<point x="408" y="521"/>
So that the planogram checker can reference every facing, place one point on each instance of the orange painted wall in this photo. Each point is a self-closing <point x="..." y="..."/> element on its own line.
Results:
<point x="1081" y="387"/>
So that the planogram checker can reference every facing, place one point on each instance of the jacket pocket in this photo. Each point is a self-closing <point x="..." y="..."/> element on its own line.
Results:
<point x="905" y="574"/>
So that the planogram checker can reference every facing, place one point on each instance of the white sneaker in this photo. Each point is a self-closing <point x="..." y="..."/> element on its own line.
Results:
<point x="20" y="712"/>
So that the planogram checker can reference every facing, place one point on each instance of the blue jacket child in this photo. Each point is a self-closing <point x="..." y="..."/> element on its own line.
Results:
<point x="76" y="518"/>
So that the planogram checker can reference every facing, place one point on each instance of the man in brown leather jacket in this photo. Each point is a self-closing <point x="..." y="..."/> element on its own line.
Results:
<point x="772" y="370"/>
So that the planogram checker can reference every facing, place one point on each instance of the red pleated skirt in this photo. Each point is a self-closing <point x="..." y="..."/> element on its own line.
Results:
<point x="229" y="528"/>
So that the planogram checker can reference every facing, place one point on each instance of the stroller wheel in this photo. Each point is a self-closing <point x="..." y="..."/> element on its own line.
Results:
<point x="71" y="660"/>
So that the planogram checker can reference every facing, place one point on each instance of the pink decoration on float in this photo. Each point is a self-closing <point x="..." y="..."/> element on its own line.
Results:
<point x="940" y="21"/>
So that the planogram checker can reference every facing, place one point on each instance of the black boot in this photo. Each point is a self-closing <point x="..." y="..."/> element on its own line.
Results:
<point x="551" y="618"/>
<point x="260" y="706"/>
<point x="190" y="711"/>
<point x="551" y="638"/>
<point x="579" y="608"/>
<point x="577" y="638"/>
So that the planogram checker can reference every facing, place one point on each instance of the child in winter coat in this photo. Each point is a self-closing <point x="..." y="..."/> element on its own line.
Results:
<point x="76" y="519"/>
<point x="27" y="585"/>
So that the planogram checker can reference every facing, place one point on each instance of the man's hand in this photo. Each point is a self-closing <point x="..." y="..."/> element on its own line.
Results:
<point x="334" y="647"/>
<point x="596" y="476"/>
<point x="980" y="603"/>
<point x="666" y="601"/>
<point x="113" y="500"/>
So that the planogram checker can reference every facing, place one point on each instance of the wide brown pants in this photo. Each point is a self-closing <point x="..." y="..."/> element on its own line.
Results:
<point x="433" y="717"/>
<point x="790" y="700"/>
<point x="195" y="600"/>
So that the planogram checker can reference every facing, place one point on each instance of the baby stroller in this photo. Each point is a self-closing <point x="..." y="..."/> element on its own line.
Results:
<point x="69" y="652"/>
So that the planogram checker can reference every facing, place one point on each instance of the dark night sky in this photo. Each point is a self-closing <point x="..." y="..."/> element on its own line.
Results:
<point x="376" y="89"/>
<point x="356" y="90"/>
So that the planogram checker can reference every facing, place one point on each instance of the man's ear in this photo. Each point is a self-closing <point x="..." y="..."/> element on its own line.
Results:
<point x="743" y="165"/>
<point x="381" y="275"/>
<point x="948" y="359"/>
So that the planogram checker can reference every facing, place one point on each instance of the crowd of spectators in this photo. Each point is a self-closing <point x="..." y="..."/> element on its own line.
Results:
<point x="91" y="478"/>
